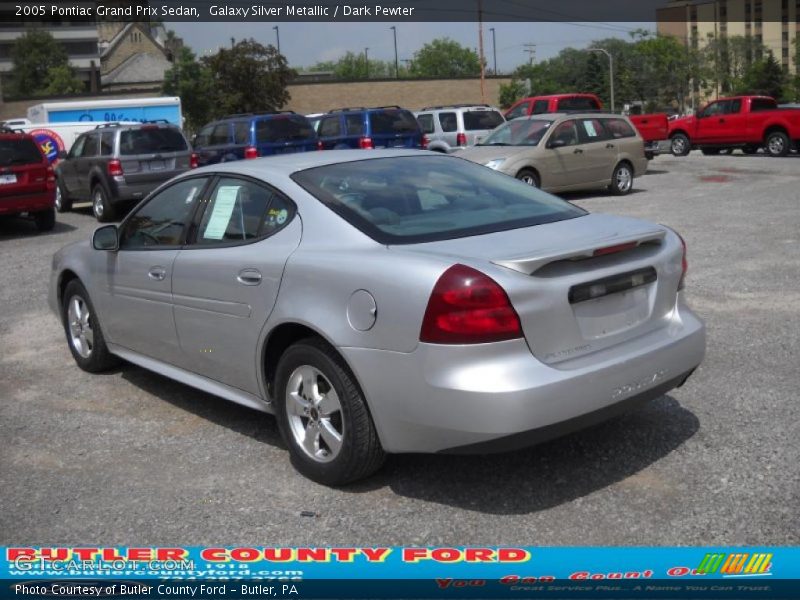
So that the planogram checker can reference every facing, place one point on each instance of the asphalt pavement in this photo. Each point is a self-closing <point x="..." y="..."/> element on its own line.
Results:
<point x="132" y="458"/>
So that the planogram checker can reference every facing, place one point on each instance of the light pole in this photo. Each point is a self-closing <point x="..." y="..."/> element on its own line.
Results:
<point x="396" y="62"/>
<point x="278" y="37"/>
<point x="494" y="50"/>
<point x="610" y="71"/>
<point x="366" y="60"/>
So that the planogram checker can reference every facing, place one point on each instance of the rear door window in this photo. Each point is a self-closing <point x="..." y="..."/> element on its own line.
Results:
<point x="220" y="135"/>
<point x="592" y="130"/>
<point x="22" y="151"/>
<point x="619" y="128"/>
<point x="107" y="143"/>
<point x="241" y="132"/>
<point x="475" y="120"/>
<point x="393" y="122"/>
<point x="330" y="127"/>
<point x="92" y="146"/>
<point x="354" y="124"/>
<point x="203" y="138"/>
<point x="425" y="123"/>
<point x="151" y="141"/>
<point x="448" y="122"/>
<point x="577" y="104"/>
<point x="283" y="128"/>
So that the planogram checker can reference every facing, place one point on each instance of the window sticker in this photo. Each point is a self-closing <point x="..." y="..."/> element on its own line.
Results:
<point x="192" y="193"/>
<point x="222" y="211"/>
<point x="590" y="130"/>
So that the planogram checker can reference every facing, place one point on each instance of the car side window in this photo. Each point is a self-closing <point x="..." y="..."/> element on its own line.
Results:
<point x="734" y="106"/>
<point x="716" y="108"/>
<point x="241" y="132"/>
<point x="220" y="135"/>
<point x="329" y="127"/>
<point x="592" y="130"/>
<point x="241" y="210"/>
<point x="204" y="136"/>
<point x="163" y="220"/>
<point x="448" y="122"/>
<point x="520" y="110"/>
<point x="540" y="107"/>
<point x="354" y="124"/>
<point x="619" y="128"/>
<point x="566" y="133"/>
<point x="92" y="145"/>
<point x="77" y="148"/>
<point x="426" y="123"/>
<point x="107" y="143"/>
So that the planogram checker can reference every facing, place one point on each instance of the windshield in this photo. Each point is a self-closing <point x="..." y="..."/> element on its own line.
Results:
<point x="525" y="132"/>
<point x="412" y="199"/>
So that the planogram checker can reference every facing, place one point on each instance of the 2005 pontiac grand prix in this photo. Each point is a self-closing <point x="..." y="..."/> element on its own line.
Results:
<point x="384" y="301"/>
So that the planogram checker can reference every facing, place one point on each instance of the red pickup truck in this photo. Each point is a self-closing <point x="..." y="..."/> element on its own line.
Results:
<point x="653" y="128"/>
<point x="746" y="122"/>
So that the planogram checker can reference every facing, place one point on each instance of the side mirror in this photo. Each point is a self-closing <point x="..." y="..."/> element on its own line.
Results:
<point x="106" y="238"/>
<point x="62" y="154"/>
<point x="557" y="144"/>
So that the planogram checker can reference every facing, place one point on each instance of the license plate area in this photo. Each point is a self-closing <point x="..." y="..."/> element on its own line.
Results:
<point x="7" y="179"/>
<point x="156" y="165"/>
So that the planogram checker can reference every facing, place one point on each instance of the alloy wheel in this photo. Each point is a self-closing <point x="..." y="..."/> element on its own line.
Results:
<point x="314" y="413"/>
<point x="81" y="335"/>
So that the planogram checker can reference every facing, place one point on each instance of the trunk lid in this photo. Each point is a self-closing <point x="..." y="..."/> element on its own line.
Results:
<point x="579" y="285"/>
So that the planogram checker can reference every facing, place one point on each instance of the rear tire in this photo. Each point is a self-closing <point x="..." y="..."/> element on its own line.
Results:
<point x="45" y="220"/>
<point x="63" y="202"/>
<point x="680" y="145"/>
<point x="530" y="177"/>
<point x="323" y="416"/>
<point x="622" y="179"/>
<point x="710" y="151"/>
<point x="777" y="144"/>
<point x="103" y="209"/>
<point x="82" y="327"/>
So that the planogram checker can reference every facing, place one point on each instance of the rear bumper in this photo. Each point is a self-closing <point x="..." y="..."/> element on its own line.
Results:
<point x="123" y="191"/>
<point x="474" y="398"/>
<point x="653" y="147"/>
<point x="13" y="205"/>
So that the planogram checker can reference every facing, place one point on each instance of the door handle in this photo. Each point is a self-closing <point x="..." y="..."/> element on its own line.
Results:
<point x="577" y="151"/>
<point x="609" y="145"/>
<point x="157" y="273"/>
<point x="249" y="277"/>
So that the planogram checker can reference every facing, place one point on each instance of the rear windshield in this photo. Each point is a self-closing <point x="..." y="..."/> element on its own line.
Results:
<point x="520" y="132"/>
<point x="577" y="104"/>
<point x="150" y="141"/>
<point x="393" y="121"/>
<point x="412" y="199"/>
<point x="284" y="128"/>
<point x="21" y="151"/>
<point x="482" y="119"/>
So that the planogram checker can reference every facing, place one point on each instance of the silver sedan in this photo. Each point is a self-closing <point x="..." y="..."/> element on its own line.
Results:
<point x="384" y="301"/>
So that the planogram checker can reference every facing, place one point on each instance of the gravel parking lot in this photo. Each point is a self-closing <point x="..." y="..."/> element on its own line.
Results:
<point x="130" y="457"/>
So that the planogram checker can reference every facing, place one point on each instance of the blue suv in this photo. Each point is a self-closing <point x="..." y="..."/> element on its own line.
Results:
<point x="379" y="127"/>
<point x="251" y="135"/>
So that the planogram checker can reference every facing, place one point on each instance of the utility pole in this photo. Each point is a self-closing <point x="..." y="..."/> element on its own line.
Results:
<point x="278" y="37"/>
<point x="531" y="50"/>
<point x="366" y="60"/>
<point x="610" y="71"/>
<point x="396" y="62"/>
<point x="494" y="50"/>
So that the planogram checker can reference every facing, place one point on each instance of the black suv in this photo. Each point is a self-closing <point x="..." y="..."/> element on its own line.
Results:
<point x="118" y="165"/>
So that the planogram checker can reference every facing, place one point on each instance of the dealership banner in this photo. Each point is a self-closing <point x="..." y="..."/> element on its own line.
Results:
<point x="399" y="572"/>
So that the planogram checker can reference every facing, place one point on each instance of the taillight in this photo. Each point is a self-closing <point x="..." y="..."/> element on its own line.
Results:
<point x="424" y="142"/>
<point x="193" y="162"/>
<point x="461" y="139"/>
<point x="365" y="143"/>
<point x="250" y="152"/>
<point x="319" y="145"/>
<point x="114" y="168"/>
<point x="468" y="307"/>
<point x="51" y="178"/>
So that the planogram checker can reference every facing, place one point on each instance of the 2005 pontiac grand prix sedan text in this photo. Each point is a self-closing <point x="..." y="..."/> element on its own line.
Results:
<point x="384" y="301"/>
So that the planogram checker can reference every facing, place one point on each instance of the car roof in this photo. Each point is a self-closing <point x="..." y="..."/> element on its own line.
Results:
<point x="576" y="115"/>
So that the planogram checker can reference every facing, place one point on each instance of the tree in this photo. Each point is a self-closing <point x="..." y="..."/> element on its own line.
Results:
<point x="193" y="82"/>
<point x="354" y="66"/>
<point x="764" y="77"/>
<point x="444" y="57"/>
<point x="728" y="58"/>
<point x="249" y="77"/>
<point x="511" y="92"/>
<point x="37" y="57"/>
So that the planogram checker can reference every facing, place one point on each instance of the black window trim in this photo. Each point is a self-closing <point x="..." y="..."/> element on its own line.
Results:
<point x="190" y="240"/>
<point x="151" y="196"/>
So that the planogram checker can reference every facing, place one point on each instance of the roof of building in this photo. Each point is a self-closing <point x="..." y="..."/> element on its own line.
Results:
<point x="139" y="68"/>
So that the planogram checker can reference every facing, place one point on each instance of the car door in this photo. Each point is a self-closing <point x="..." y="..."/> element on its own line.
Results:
<point x="599" y="151"/>
<point x="66" y="168"/>
<point x="83" y="164"/>
<point x="733" y="123"/>
<point x="711" y="123"/>
<point x="137" y="279"/>
<point x="448" y="123"/>
<point x="563" y="158"/>
<point x="225" y="283"/>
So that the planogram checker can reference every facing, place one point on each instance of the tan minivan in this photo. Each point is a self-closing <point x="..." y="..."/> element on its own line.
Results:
<point x="565" y="152"/>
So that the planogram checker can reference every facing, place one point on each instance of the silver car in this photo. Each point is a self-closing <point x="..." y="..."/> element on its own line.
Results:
<point x="384" y="301"/>
<point x="448" y="128"/>
<point x="565" y="152"/>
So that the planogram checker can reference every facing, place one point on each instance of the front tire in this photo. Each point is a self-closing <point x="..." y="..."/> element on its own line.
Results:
<point x="45" y="220"/>
<point x="101" y="207"/>
<point x="323" y="416"/>
<point x="530" y="177"/>
<point x="82" y="327"/>
<point x="63" y="202"/>
<point x="680" y="144"/>
<point x="777" y="144"/>
<point x="622" y="179"/>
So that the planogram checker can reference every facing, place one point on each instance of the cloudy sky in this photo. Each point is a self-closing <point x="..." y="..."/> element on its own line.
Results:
<point x="304" y="44"/>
